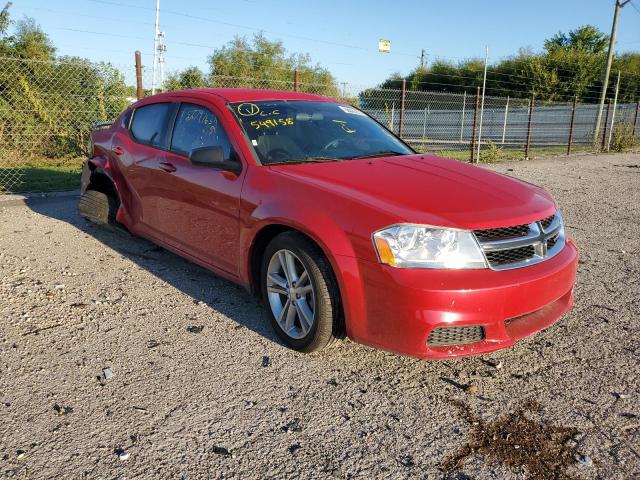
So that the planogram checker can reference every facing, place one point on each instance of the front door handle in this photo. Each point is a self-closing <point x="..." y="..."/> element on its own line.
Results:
<point x="117" y="150"/>
<point x="168" y="167"/>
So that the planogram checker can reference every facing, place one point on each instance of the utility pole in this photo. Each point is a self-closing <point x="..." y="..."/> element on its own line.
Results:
<point x="607" y="72"/>
<point x="159" y="49"/>
<point x="422" y="59"/>
<point x="156" y="38"/>
<point x="162" y="49"/>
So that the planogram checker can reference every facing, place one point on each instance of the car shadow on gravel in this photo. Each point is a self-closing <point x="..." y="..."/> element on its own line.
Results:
<point x="203" y="286"/>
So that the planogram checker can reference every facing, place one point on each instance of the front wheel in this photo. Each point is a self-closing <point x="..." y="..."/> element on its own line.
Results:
<point x="300" y="292"/>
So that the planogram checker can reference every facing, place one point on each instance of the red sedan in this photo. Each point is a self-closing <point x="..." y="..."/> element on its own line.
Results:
<point x="337" y="224"/>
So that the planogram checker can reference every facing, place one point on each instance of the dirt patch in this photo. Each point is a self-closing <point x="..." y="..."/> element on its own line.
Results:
<point x="516" y="440"/>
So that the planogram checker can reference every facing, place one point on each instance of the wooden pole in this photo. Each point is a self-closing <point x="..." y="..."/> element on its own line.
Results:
<point x="296" y="80"/>
<point x="606" y="124"/>
<point x="635" y="119"/>
<point x="528" y="146"/>
<point x="475" y="126"/>
<point x="573" y="119"/>
<point x="139" y="89"/>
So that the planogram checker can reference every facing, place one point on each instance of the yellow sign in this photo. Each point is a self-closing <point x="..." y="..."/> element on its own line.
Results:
<point x="384" y="46"/>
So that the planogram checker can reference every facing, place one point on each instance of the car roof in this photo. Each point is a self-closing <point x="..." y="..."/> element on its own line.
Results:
<point x="233" y="95"/>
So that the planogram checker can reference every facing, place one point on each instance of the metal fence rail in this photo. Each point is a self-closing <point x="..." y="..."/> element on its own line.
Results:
<point x="47" y="110"/>
<point x="500" y="125"/>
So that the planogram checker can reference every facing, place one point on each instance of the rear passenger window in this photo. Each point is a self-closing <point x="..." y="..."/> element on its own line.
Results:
<point x="126" y="119"/>
<point x="149" y="124"/>
<point x="198" y="127"/>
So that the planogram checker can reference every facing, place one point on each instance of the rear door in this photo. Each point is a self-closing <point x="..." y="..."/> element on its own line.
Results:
<point x="145" y="152"/>
<point x="200" y="204"/>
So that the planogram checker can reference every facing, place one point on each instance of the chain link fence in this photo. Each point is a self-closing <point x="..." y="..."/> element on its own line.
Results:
<point x="47" y="110"/>
<point x="46" y="113"/>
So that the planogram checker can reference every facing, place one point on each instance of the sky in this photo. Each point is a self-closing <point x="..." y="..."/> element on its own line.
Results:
<point x="338" y="34"/>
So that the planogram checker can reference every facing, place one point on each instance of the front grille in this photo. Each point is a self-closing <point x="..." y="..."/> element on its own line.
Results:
<point x="502" y="233"/>
<point x="521" y="245"/>
<point x="448" y="336"/>
<point x="546" y="222"/>
<point x="508" y="257"/>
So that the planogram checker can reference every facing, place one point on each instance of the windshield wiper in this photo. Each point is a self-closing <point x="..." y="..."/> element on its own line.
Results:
<point x="381" y="153"/>
<point x="305" y="160"/>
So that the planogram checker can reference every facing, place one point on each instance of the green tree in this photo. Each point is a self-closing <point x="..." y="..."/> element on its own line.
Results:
<point x="5" y="22"/>
<point x="31" y="42"/>
<point x="571" y="64"/>
<point x="49" y="104"/>
<point x="586" y="38"/>
<point x="192" y="77"/>
<point x="261" y="63"/>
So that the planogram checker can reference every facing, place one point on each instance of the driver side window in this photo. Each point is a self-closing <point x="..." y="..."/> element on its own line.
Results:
<point x="198" y="127"/>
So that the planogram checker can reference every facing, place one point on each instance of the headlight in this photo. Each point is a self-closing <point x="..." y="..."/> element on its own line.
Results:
<point x="419" y="246"/>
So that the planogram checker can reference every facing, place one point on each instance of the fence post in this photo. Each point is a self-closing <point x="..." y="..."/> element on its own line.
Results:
<point x="504" y="125"/>
<point x="296" y="80"/>
<point x="606" y="124"/>
<point x="528" y="146"/>
<point x="464" y="105"/>
<point x="424" y="126"/>
<point x="613" y="114"/>
<point x="475" y="125"/>
<point x="392" y="122"/>
<point x="635" y="119"/>
<point x="404" y="92"/>
<point x="139" y="90"/>
<point x="573" y="119"/>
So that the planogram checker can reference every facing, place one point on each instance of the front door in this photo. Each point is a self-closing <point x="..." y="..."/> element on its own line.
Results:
<point x="200" y="205"/>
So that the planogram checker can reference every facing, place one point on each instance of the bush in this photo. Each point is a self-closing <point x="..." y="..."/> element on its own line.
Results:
<point x="492" y="153"/>
<point x="622" y="137"/>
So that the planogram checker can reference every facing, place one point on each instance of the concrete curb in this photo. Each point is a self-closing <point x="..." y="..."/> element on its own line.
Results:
<point x="16" y="200"/>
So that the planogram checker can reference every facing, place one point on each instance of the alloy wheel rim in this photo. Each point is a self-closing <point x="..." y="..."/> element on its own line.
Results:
<point x="290" y="293"/>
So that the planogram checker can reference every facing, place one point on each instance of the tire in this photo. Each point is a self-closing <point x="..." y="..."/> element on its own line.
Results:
<point x="323" y="300"/>
<point x="98" y="207"/>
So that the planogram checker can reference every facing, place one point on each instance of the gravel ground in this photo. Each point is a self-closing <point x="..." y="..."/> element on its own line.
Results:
<point x="196" y="386"/>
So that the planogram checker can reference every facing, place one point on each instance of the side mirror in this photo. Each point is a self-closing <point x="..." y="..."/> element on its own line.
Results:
<point x="214" y="157"/>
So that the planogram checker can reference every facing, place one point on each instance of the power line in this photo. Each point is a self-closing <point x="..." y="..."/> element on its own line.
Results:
<point x="258" y="29"/>
<point x="197" y="45"/>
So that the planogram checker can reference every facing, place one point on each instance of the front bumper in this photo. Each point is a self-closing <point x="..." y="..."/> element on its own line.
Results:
<point x="402" y="306"/>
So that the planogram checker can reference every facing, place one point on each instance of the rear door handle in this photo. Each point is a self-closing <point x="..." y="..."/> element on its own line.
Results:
<point x="117" y="150"/>
<point x="168" y="167"/>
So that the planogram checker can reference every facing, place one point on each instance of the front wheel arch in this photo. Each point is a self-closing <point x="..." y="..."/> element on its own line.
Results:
<point x="256" y="254"/>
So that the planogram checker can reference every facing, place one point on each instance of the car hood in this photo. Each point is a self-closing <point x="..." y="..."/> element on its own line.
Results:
<point x="429" y="190"/>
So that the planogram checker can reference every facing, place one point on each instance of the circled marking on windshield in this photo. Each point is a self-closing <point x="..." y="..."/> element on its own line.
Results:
<point x="248" y="109"/>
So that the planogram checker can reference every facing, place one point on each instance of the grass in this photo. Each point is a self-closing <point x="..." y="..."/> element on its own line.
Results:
<point x="41" y="175"/>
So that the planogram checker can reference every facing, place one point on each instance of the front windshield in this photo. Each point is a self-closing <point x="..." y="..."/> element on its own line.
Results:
<point x="305" y="131"/>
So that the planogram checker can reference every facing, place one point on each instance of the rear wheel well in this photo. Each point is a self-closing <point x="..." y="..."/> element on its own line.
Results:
<point x="258" y="248"/>
<point x="102" y="183"/>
